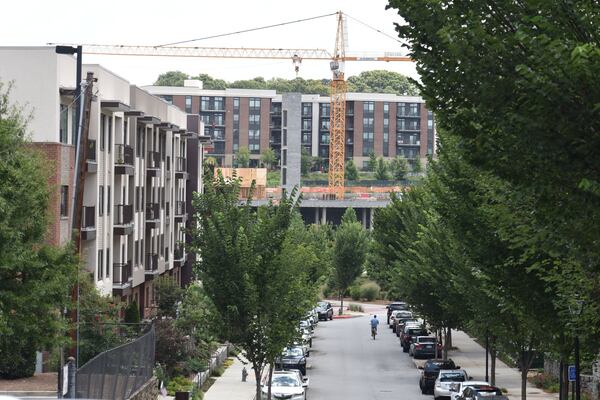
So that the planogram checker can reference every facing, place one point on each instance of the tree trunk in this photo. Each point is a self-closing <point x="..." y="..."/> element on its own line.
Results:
<point x="269" y="382"/>
<point x="523" y="383"/>
<point x="446" y="345"/>
<point x="341" y="302"/>
<point x="449" y="338"/>
<point x="565" y="378"/>
<point x="525" y="363"/>
<point x="493" y="355"/>
<point x="257" y="376"/>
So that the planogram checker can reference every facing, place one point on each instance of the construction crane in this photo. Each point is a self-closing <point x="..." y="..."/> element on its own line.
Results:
<point x="338" y="90"/>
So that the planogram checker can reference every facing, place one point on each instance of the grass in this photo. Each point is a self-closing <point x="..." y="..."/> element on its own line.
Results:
<point x="273" y="178"/>
<point x="355" y="307"/>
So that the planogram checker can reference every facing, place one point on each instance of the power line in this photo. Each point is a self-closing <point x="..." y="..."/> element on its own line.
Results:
<point x="248" y="30"/>
<point x="373" y="28"/>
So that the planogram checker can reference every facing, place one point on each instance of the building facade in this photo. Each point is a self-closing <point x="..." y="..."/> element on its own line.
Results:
<point x="382" y="124"/>
<point x="141" y="161"/>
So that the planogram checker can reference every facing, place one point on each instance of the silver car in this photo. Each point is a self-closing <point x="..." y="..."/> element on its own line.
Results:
<point x="446" y="381"/>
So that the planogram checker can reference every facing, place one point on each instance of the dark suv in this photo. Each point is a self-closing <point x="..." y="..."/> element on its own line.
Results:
<point x="410" y="332"/>
<point x="325" y="310"/>
<point x="430" y="372"/>
<point x="397" y="305"/>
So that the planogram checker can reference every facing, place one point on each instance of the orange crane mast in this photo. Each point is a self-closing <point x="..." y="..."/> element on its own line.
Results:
<point x="338" y="87"/>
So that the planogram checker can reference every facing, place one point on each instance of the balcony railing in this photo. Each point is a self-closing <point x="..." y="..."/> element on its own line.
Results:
<point x="123" y="154"/>
<point x="123" y="214"/>
<point x="178" y="253"/>
<point x="121" y="273"/>
<point x="91" y="152"/>
<point x="180" y="208"/>
<point x="152" y="211"/>
<point x="180" y="164"/>
<point x="88" y="218"/>
<point x="153" y="159"/>
<point x="151" y="262"/>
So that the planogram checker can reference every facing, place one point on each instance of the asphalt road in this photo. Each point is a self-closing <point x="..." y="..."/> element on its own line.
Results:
<point x="346" y="364"/>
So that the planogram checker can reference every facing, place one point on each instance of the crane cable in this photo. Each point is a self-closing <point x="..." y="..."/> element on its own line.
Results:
<point x="373" y="28"/>
<point x="247" y="30"/>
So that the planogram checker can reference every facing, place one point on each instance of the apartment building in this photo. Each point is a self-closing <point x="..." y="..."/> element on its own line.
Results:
<point x="383" y="124"/>
<point x="141" y="162"/>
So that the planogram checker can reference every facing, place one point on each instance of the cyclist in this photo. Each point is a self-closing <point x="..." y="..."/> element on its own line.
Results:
<point x="374" y="323"/>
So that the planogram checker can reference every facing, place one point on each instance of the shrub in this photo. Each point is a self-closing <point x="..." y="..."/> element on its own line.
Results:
<point x="355" y="293"/>
<point x="196" y="365"/>
<point x="179" y="384"/>
<point x="219" y="371"/>
<point x="369" y="291"/>
<point x="355" y="307"/>
<point x="546" y="382"/>
<point x="132" y="313"/>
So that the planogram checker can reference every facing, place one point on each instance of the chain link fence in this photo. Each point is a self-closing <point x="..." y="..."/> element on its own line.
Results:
<point x="118" y="372"/>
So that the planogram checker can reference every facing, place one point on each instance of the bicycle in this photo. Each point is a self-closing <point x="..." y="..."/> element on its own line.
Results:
<point x="373" y="331"/>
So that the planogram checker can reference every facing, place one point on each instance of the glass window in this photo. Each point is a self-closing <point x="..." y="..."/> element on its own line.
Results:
<point x="413" y="109"/>
<point x="64" y="201"/>
<point x="369" y="107"/>
<point x="100" y="265"/>
<point x="101" y="200"/>
<point x="254" y="103"/>
<point x="325" y="123"/>
<point x="306" y="109"/>
<point x="236" y="103"/>
<point x="219" y="103"/>
<point x="306" y="124"/>
<point x="386" y="108"/>
<point x="167" y="98"/>
<point x="64" y="124"/>
<point x="73" y="126"/>
<point x="110" y="133"/>
<point x="205" y="103"/>
<point x="188" y="104"/>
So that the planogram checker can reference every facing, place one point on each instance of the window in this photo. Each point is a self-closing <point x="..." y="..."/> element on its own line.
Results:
<point x="325" y="123"/>
<point x="284" y="157"/>
<point x="369" y="107"/>
<point x="188" y="104"/>
<point x="108" y="266"/>
<point x="74" y="127"/>
<point x="101" y="200"/>
<point x="64" y="124"/>
<point x="236" y="103"/>
<point x="413" y="109"/>
<point x="100" y="265"/>
<point x="254" y="119"/>
<point x="108" y="200"/>
<point x="253" y="134"/>
<point x="64" y="201"/>
<point x="284" y="177"/>
<point x="306" y="124"/>
<point x="219" y="103"/>
<point x="254" y="147"/>
<point x="167" y="98"/>
<point x="368" y="123"/>
<point x="110" y="133"/>
<point x="284" y="118"/>
<point x="204" y="103"/>
<point x="102" y="131"/>
<point x="306" y="109"/>
<point x="386" y="108"/>
<point x="306" y="138"/>
<point x="254" y="103"/>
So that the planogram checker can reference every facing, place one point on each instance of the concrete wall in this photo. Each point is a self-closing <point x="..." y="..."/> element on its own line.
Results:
<point x="292" y="104"/>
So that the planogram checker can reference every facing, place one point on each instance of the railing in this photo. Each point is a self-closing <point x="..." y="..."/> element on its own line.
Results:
<point x="152" y="211"/>
<point x="179" y="207"/>
<point x="178" y="253"/>
<point x="151" y="262"/>
<point x="123" y="154"/>
<point x="123" y="214"/>
<point x="91" y="153"/>
<point x="153" y="159"/>
<point x="121" y="272"/>
<point x="88" y="217"/>
<point x="180" y="164"/>
<point x="409" y="142"/>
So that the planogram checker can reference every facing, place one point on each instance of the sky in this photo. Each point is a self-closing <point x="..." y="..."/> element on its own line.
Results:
<point x="153" y="22"/>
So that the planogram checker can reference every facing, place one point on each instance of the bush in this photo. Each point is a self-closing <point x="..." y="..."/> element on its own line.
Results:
<point x="132" y="313"/>
<point x="355" y="307"/>
<point x="355" y="293"/>
<point x="369" y="291"/>
<point x="546" y="382"/>
<point x="17" y="361"/>
<point x="179" y="384"/>
<point x="197" y="365"/>
<point x="219" y="371"/>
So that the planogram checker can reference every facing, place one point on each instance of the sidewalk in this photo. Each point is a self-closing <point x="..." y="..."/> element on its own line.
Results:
<point x="471" y="357"/>
<point x="38" y="385"/>
<point x="230" y="386"/>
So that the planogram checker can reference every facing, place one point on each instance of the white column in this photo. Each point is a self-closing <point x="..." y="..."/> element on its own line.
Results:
<point x="324" y="216"/>
<point x="317" y="215"/>
<point x="364" y="218"/>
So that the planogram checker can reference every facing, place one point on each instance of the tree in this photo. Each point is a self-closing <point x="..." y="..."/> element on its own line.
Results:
<point x="242" y="157"/>
<point x="208" y="82"/>
<point x="268" y="157"/>
<point x="259" y="290"/>
<point x="351" y="171"/>
<point x="399" y="167"/>
<point x="305" y="162"/>
<point x="381" y="81"/>
<point x="349" y="252"/>
<point x="417" y="167"/>
<point x="35" y="279"/>
<point x="168" y="294"/>
<point x="372" y="163"/>
<point x="381" y="170"/>
<point x="171" y="78"/>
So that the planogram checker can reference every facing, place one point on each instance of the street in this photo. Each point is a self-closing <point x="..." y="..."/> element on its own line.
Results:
<point x="347" y="364"/>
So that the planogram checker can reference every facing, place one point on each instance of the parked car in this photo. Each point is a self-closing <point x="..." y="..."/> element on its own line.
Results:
<point x="409" y="333"/>
<point x="472" y="391"/>
<point x="292" y="357"/>
<point x="445" y="380"/>
<point x="396" y="305"/>
<point x="396" y="314"/>
<point x="424" y="346"/>
<point x="325" y="310"/>
<point x="431" y="370"/>
<point x="285" y="385"/>
<point x="306" y="326"/>
<point x="401" y="323"/>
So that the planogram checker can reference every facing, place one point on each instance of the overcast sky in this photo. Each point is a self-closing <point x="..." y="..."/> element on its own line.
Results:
<point x="152" y="22"/>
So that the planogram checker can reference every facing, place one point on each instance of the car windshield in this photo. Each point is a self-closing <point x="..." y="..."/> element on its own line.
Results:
<point x="322" y="304"/>
<point x="417" y="331"/>
<point x="285" y="380"/>
<point x="452" y="377"/>
<point x="404" y="314"/>
<point x="292" y="352"/>
<point x="426" y="340"/>
<point x="487" y="390"/>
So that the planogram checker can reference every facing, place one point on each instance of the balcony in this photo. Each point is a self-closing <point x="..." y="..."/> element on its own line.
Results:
<point x="180" y="212"/>
<point x="152" y="215"/>
<point x="153" y="164"/>
<point x="124" y="159"/>
<point x="122" y="275"/>
<point x="179" y="256"/>
<point x="401" y="142"/>
<point x="123" y="219"/>
<point x="349" y="141"/>
<point x="151" y="265"/>
<point x="275" y="141"/>
<point x="91" y="164"/>
<point x="88" y="223"/>
<point x="180" y="167"/>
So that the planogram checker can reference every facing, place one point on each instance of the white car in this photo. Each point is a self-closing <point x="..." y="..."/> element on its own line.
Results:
<point x="458" y="388"/>
<point x="445" y="381"/>
<point x="398" y="314"/>
<point x="285" y="384"/>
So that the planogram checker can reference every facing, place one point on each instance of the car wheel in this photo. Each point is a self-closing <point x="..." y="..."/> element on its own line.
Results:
<point x="404" y="349"/>
<point x="423" y="390"/>
<point x="331" y="316"/>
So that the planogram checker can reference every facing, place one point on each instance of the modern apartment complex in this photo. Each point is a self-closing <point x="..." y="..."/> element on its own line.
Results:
<point x="142" y="162"/>
<point x="384" y="124"/>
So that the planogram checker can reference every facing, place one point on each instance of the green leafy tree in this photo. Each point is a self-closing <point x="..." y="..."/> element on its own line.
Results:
<point x="417" y="167"/>
<point x="247" y="271"/>
<point x="132" y="313"/>
<point x="306" y="162"/>
<point x="381" y="81"/>
<point x="351" y="171"/>
<point x="35" y="280"/>
<point x="171" y="78"/>
<point x="381" y="170"/>
<point x="168" y="295"/>
<point x="399" y="167"/>
<point x="372" y="163"/>
<point x="349" y="252"/>
<point x="208" y="82"/>
<point x="242" y="157"/>
<point x="268" y="158"/>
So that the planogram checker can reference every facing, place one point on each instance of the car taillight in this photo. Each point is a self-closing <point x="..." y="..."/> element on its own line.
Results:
<point x="417" y="346"/>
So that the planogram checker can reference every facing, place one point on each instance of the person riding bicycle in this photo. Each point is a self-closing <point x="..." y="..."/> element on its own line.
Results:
<point x="374" y="323"/>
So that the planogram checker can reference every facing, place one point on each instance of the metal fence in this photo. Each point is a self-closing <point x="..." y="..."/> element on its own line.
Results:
<point x="119" y="372"/>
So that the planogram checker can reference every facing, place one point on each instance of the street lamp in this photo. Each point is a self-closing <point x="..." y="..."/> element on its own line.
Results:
<point x="575" y="310"/>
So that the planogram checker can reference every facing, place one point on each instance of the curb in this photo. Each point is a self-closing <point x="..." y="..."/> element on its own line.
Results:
<point x="19" y="393"/>
<point x="346" y="316"/>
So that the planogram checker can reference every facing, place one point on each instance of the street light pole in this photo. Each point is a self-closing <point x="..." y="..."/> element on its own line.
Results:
<point x="577" y="374"/>
<point x="487" y="352"/>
